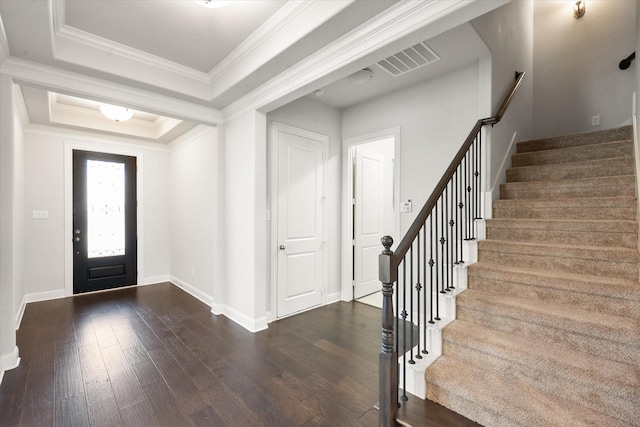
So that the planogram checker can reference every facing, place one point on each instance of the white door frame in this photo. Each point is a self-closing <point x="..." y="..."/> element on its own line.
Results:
<point x="347" y="192"/>
<point x="273" y="217"/>
<point x="68" y="205"/>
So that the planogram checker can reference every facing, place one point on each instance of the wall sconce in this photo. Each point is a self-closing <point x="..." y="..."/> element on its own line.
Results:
<point x="579" y="9"/>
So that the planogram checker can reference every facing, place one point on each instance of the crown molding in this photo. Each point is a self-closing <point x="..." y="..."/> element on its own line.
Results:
<point x="83" y="86"/>
<point x="4" y="43"/>
<point x="431" y="17"/>
<point x="90" y="136"/>
<point x="189" y="136"/>
<point x="288" y="25"/>
<point x="21" y="107"/>
<point x="79" y="47"/>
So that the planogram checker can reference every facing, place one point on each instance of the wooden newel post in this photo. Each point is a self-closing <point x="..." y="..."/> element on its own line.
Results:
<point x="388" y="359"/>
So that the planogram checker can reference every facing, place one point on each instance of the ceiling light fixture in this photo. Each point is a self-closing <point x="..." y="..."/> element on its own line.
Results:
<point x="213" y="4"/>
<point x="118" y="114"/>
<point x="579" y="8"/>
<point x="360" y="77"/>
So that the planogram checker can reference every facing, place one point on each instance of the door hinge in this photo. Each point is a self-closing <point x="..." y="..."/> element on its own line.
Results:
<point x="353" y="202"/>
<point x="353" y="242"/>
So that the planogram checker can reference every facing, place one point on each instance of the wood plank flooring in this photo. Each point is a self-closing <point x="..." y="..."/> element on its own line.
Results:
<point x="156" y="356"/>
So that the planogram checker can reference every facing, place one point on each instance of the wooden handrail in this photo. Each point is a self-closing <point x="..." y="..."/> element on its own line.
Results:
<point x="411" y="234"/>
<point x="390" y="260"/>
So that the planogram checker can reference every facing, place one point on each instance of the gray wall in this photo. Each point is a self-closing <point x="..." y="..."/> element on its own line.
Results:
<point x="576" y="66"/>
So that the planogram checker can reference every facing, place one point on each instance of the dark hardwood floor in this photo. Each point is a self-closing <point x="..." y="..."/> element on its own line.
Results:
<point x="155" y="356"/>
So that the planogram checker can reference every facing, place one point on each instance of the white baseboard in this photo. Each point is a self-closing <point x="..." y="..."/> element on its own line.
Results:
<point x="335" y="297"/>
<point x="155" y="280"/>
<point x="9" y="361"/>
<point x="192" y="290"/>
<point x="252" y="325"/>
<point x="37" y="297"/>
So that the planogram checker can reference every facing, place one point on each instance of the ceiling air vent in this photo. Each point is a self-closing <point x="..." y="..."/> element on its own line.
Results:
<point x="409" y="59"/>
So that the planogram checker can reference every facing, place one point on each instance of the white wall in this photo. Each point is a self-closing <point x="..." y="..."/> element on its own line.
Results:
<point x="245" y="207"/>
<point x="45" y="190"/>
<point x="9" y="248"/>
<point x="508" y="33"/>
<point x="434" y="118"/>
<point x="576" y="66"/>
<point x="196" y="249"/>
<point x="314" y="116"/>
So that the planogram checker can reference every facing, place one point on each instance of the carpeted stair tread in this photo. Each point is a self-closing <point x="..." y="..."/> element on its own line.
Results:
<point x="586" y="380"/>
<point x="552" y="315"/>
<point x="585" y="169"/>
<point x="613" y="287"/>
<point x="503" y="402"/>
<point x="623" y="208"/>
<point x="593" y="260"/>
<point x="574" y="154"/>
<point x="620" y="186"/>
<point x="565" y="231"/>
<point x="574" y="140"/>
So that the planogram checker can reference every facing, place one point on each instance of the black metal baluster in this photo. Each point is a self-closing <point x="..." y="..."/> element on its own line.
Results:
<point x="460" y="195"/>
<point x="452" y="241"/>
<point x="431" y="264"/>
<point x="437" y="273"/>
<point x="480" y="198"/>
<point x="411" y="361"/>
<point x="466" y="196"/>
<point x="454" y="213"/>
<point x="443" y="228"/>
<point x="445" y="247"/>
<point x="418" y="289"/>
<point x="424" y="293"/>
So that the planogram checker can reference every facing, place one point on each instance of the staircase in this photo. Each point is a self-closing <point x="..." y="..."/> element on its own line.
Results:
<point x="548" y="331"/>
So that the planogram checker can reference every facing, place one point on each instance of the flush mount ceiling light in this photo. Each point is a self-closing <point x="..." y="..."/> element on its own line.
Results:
<point x="360" y="77"/>
<point x="118" y="114"/>
<point x="579" y="9"/>
<point x="214" y="4"/>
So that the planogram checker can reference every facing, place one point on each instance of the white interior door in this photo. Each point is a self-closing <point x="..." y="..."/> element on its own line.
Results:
<point x="300" y="221"/>
<point x="368" y="220"/>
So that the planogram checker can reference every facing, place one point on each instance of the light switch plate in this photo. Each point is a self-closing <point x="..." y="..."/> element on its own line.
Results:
<point x="40" y="214"/>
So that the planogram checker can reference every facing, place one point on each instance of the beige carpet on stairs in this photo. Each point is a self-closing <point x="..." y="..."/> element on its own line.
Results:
<point x="548" y="332"/>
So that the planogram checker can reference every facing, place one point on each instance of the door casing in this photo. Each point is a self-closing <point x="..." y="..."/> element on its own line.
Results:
<point x="110" y="148"/>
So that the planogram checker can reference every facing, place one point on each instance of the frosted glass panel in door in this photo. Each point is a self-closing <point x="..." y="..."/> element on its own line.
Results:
<point x="105" y="209"/>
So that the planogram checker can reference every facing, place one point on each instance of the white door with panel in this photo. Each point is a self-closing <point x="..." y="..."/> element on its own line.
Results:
<point x="368" y="220"/>
<point x="300" y="222"/>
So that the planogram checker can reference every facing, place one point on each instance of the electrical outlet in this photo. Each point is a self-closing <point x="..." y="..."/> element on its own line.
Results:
<point x="595" y="120"/>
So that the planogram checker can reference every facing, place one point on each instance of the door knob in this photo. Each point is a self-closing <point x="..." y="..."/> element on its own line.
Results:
<point x="283" y="247"/>
<point x="77" y="239"/>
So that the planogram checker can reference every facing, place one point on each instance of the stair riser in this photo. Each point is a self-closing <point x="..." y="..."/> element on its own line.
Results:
<point x="609" y="399"/>
<point x="523" y="326"/>
<point x="609" y="167"/>
<point x="612" y="212"/>
<point x="592" y="266"/>
<point x="619" y="134"/>
<point x="478" y="413"/>
<point x="623" y="188"/>
<point x="584" y="238"/>
<point x="576" y="154"/>
<point x="610" y="303"/>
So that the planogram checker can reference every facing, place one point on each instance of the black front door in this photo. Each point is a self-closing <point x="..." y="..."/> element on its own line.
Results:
<point x="104" y="221"/>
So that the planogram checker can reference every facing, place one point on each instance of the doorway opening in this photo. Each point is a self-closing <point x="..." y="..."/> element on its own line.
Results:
<point x="104" y="221"/>
<point x="372" y="189"/>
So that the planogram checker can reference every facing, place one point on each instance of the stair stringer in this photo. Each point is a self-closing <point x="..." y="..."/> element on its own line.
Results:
<point x="416" y="383"/>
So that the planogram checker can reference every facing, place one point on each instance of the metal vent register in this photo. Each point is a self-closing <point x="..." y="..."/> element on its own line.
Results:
<point x="409" y="59"/>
